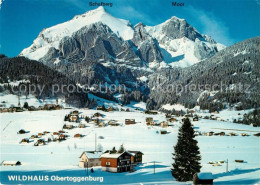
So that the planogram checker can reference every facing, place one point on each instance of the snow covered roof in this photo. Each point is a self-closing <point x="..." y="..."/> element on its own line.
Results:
<point x="135" y="152"/>
<point x="92" y="155"/>
<point x="10" y="162"/>
<point x="205" y="175"/>
<point x="114" y="155"/>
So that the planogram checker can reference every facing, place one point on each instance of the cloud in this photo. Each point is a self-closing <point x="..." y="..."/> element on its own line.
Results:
<point x="211" y="25"/>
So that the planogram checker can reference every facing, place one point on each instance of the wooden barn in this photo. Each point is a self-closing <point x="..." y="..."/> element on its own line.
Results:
<point x="129" y="121"/>
<point x="78" y="136"/>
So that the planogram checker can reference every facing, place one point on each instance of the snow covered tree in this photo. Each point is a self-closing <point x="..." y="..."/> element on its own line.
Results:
<point x="99" y="147"/>
<point x="121" y="149"/>
<point x="186" y="154"/>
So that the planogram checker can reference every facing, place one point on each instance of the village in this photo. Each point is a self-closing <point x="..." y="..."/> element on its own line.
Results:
<point x="89" y="137"/>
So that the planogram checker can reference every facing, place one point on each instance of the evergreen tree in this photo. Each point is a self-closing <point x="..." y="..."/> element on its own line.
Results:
<point x="121" y="149"/>
<point x="113" y="150"/>
<point x="187" y="155"/>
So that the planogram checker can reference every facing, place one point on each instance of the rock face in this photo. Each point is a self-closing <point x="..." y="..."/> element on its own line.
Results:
<point x="97" y="47"/>
<point x="229" y="78"/>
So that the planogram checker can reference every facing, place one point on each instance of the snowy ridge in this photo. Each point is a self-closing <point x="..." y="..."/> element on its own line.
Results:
<point x="52" y="36"/>
<point x="179" y="50"/>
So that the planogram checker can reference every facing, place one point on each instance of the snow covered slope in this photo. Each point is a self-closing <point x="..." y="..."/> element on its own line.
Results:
<point x="52" y="36"/>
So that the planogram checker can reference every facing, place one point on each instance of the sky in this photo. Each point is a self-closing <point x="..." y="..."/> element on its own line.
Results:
<point x="226" y="21"/>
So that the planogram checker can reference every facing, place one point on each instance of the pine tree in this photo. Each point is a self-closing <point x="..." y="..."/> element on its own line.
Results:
<point x="121" y="149"/>
<point x="187" y="155"/>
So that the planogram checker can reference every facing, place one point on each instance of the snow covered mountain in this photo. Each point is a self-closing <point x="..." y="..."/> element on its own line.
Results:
<point x="51" y="37"/>
<point x="184" y="45"/>
<point x="173" y="42"/>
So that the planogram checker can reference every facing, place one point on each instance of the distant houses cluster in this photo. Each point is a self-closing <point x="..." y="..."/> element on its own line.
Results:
<point x="30" y="108"/>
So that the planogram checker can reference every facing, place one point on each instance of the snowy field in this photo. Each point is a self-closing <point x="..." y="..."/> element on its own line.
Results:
<point x="61" y="158"/>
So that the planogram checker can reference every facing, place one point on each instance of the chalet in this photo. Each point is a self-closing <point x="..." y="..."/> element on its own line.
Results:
<point x="68" y="126"/>
<point x="22" y="131"/>
<point x="148" y="120"/>
<point x="62" y="137"/>
<point x="127" y="110"/>
<point x="40" y="108"/>
<point x="210" y="133"/>
<point x="55" y="133"/>
<point x="172" y="119"/>
<point x="232" y="134"/>
<point x="40" y="134"/>
<point x="113" y="123"/>
<point x="18" y="109"/>
<point x="117" y="162"/>
<point x="73" y="117"/>
<point x="4" y="110"/>
<point x="95" y="120"/>
<point x="163" y="131"/>
<point x="40" y="142"/>
<point x="110" y="109"/>
<point x="203" y="178"/>
<point x="11" y="163"/>
<point x="99" y="108"/>
<point x="89" y="159"/>
<point x="49" y="107"/>
<point x="97" y="114"/>
<point x="78" y="136"/>
<point x="32" y="108"/>
<point x="137" y="156"/>
<point x="257" y="135"/>
<point x="129" y="121"/>
<point x="25" y="140"/>
<point x="101" y="124"/>
<point x="196" y="118"/>
<point x="61" y="132"/>
<point x="75" y="112"/>
<point x="34" y="136"/>
<point x="153" y="112"/>
<point x="168" y="116"/>
<point x="82" y="125"/>
<point x="46" y="132"/>
<point x="164" y="124"/>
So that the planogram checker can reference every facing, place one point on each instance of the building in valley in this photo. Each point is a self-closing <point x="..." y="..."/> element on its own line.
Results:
<point x="137" y="156"/>
<point x="117" y="162"/>
<point x="89" y="159"/>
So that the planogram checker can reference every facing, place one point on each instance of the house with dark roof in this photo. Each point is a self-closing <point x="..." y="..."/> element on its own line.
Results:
<point x="137" y="156"/>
